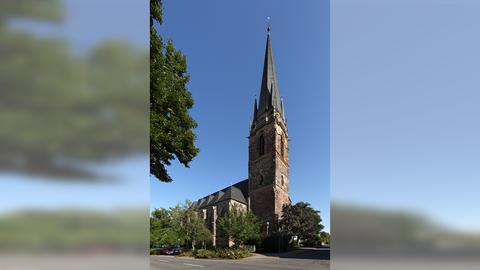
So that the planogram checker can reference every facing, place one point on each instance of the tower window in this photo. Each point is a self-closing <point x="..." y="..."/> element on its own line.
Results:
<point x="283" y="181"/>
<point x="282" y="146"/>
<point x="261" y="145"/>
<point x="261" y="180"/>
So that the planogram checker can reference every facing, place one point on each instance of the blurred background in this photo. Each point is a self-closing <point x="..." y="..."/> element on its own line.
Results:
<point x="404" y="134"/>
<point x="74" y="183"/>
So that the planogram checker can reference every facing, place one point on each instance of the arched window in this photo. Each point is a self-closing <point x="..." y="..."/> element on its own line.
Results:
<point x="261" y="180"/>
<point x="282" y="147"/>
<point x="283" y="181"/>
<point x="261" y="145"/>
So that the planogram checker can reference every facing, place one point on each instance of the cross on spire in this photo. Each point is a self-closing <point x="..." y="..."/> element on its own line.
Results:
<point x="268" y="25"/>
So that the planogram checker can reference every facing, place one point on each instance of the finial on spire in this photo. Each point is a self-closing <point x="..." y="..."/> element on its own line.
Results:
<point x="268" y="25"/>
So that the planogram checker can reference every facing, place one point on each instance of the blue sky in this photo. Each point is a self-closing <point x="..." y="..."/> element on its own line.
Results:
<point x="405" y="95"/>
<point x="86" y="25"/>
<point x="224" y="43"/>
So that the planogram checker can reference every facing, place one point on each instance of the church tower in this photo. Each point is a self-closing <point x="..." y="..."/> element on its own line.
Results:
<point x="268" y="150"/>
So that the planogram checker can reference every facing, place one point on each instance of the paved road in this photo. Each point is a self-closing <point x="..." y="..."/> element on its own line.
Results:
<point x="304" y="259"/>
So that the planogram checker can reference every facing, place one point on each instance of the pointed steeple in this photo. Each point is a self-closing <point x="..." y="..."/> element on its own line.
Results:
<point x="255" y="109"/>
<point x="269" y="95"/>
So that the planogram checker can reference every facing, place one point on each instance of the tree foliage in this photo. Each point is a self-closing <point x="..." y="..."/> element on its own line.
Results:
<point x="177" y="224"/>
<point x="301" y="220"/>
<point x="189" y="225"/>
<point x="171" y="126"/>
<point x="239" y="226"/>
<point x="325" y="238"/>
<point x="63" y="107"/>
<point x="161" y="228"/>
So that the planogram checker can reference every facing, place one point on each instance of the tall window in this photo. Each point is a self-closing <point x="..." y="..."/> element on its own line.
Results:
<point x="261" y="180"/>
<point x="261" y="145"/>
<point x="282" y="146"/>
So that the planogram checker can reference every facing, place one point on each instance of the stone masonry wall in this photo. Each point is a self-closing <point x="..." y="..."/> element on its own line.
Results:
<point x="268" y="173"/>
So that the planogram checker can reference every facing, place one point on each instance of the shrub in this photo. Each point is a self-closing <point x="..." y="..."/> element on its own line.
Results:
<point x="234" y="253"/>
<point x="227" y="253"/>
<point x="205" y="253"/>
<point x="155" y="251"/>
<point x="243" y="253"/>
<point x="186" y="253"/>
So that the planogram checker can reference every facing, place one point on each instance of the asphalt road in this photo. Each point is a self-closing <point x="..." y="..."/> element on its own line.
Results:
<point x="318" y="259"/>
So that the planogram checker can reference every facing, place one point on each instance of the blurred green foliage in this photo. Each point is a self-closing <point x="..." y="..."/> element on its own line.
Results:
<point x="371" y="229"/>
<point x="73" y="231"/>
<point x="51" y="10"/>
<point x="61" y="110"/>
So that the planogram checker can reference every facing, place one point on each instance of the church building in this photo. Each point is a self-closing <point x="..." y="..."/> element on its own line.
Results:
<point x="266" y="189"/>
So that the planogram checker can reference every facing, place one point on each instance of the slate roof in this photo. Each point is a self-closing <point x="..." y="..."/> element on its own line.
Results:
<point x="234" y="193"/>
<point x="269" y="93"/>
<point x="237" y="192"/>
<point x="218" y="196"/>
<point x="194" y="204"/>
<point x="201" y="203"/>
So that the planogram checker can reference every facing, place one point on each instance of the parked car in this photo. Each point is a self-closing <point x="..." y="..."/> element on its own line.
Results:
<point x="166" y="250"/>
<point x="176" y="249"/>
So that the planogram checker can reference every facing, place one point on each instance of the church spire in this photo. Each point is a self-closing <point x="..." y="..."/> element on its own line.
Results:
<point x="269" y="95"/>
<point x="255" y="108"/>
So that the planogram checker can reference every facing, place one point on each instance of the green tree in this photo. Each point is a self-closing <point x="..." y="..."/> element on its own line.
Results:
<point x="325" y="238"/>
<point x="189" y="225"/>
<point x="301" y="220"/>
<point x="239" y="226"/>
<point x="177" y="224"/>
<point x="162" y="230"/>
<point x="171" y="126"/>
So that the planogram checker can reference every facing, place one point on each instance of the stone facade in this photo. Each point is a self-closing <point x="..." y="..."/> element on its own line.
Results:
<point x="268" y="168"/>
<point x="266" y="189"/>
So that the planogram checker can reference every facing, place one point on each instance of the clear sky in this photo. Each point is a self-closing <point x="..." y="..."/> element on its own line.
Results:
<point x="224" y="42"/>
<point x="85" y="25"/>
<point x="405" y="107"/>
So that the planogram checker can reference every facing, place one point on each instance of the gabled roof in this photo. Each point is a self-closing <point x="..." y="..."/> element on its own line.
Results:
<point x="238" y="192"/>
<point x="218" y="196"/>
<point x="202" y="202"/>
<point x="234" y="193"/>
<point x="243" y="187"/>
<point x="210" y="199"/>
